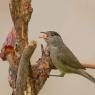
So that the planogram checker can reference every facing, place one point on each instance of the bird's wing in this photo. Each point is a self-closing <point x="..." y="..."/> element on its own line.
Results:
<point x="68" y="58"/>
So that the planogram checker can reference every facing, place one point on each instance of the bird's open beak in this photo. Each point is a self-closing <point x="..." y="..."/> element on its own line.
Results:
<point x="44" y="36"/>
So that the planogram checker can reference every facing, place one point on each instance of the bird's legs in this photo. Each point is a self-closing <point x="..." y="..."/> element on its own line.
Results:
<point x="60" y="75"/>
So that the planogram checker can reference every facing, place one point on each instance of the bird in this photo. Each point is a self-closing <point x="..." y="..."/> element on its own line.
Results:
<point x="62" y="57"/>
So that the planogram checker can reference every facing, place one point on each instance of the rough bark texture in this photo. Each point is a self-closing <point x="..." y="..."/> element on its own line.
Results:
<point x="24" y="70"/>
<point x="21" y="11"/>
<point x="24" y="78"/>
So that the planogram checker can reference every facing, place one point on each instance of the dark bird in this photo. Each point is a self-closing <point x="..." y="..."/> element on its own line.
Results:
<point x="62" y="57"/>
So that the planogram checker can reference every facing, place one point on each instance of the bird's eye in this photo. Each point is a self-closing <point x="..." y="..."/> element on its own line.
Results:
<point x="52" y="34"/>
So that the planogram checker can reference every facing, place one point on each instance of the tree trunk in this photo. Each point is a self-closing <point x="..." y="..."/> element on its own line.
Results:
<point x="24" y="78"/>
<point x="29" y="79"/>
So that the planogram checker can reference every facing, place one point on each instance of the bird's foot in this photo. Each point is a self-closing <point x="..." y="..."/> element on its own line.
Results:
<point x="61" y="75"/>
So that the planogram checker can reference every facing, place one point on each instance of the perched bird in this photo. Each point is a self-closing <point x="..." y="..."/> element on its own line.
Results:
<point x="62" y="57"/>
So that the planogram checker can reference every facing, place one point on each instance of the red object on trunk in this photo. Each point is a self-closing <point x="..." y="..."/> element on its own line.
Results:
<point x="2" y="56"/>
<point x="8" y="44"/>
<point x="10" y="40"/>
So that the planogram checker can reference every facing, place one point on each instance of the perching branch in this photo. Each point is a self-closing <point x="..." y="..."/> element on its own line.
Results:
<point x="88" y="65"/>
<point x="24" y="78"/>
<point x="31" y="78"/>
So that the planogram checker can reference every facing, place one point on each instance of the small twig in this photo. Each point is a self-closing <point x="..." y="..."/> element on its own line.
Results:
<point x="90" y="66"/>
<point x="55" y="75"/>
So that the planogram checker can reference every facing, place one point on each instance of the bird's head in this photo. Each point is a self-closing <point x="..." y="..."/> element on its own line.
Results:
<point x="51" y="37"/>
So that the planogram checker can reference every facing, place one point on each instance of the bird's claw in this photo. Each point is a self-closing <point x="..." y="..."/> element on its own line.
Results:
<point x="61" y="75"/>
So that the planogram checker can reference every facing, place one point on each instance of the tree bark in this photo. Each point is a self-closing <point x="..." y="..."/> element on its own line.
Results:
<point x="24" y="70"/>
<point x="28" y="80"/>
<point x="24" y="78"/>
<point x="90" y="65"/>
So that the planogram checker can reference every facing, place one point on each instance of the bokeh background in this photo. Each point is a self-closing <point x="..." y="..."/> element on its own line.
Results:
<point x="74" y="20"/>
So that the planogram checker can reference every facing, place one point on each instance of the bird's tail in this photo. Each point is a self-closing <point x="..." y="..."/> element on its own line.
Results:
<point x="86" y="75"/>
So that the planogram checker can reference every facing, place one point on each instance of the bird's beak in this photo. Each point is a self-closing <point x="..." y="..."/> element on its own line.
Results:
<point x="44" y="36"/>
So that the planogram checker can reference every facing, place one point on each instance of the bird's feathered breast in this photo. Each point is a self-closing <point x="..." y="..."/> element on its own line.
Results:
<point x="60" y="52"/>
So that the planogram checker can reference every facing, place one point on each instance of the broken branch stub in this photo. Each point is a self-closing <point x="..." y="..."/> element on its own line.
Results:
<point x="24" y="70"/>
